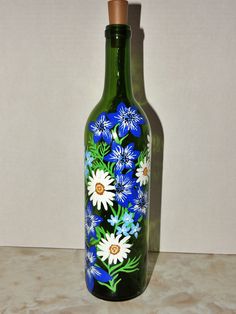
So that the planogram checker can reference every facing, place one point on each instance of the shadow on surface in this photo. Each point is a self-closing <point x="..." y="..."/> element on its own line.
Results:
<point x="157" y="135"/>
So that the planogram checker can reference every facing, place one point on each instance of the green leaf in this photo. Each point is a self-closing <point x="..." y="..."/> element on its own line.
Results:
<point x="129" y="267"/>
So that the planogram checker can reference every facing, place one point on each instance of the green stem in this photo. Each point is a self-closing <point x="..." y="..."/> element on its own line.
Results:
<point x="101" y="230"/>
<point x="113" y="210"/>
<point x="119" y="209"/>
<point x="123" y="138"/>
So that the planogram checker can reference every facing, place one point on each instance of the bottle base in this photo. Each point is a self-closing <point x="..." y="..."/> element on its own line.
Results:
<point x="118" y="298"/>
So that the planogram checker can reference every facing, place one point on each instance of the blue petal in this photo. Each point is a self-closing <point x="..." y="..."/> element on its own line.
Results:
<point x="129" y="175"/>
<point x="89" y="281"/>
<point x="123" y="203"/>
<point x="107" y="137"/>
<point x="92" y="126"/>
<point x="89" y="208"/>
<point x="98" y="220"/>
<point x="137" y="216"/>
<point x="119" y="168"/>
<point x="113" y="118"/>
<point x="115" y="145"/>
<point x="141" y="121"/>
<point x="121" y="106"/>
<point x="93" y="250"/>
<point x="102" y="116"/>
<point x="123" y="130"/>
<point x="130" y="146"/>
<point x="136" y="154"/>
<point x="97" y="137"/>
<point x="110" y="157"/>
<point x="101" y="275"/>
<point x="92" y="234"/>
<point x="136" y="132"/>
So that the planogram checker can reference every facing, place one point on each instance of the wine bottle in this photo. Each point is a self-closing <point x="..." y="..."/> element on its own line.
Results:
<point x="117" y="175"/>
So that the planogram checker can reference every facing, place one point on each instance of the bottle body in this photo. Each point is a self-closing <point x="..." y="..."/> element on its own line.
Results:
<point x="117" y="185"/>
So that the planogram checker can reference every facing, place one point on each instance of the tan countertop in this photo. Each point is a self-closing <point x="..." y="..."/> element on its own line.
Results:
<point x="34" y="280"/>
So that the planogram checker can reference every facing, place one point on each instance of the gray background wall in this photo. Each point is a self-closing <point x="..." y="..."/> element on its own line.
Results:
<point x="51" y="76"/>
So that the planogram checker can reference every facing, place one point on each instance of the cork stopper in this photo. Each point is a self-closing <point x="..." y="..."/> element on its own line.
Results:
<point x="118" y="11"/>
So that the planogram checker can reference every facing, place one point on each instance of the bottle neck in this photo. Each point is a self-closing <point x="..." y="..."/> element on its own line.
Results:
<point x="117" y="74"/>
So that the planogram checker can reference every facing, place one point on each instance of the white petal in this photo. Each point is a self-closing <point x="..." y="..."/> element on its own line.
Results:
<point x="125" y="239"/>
<point x="109" y="202"/>
<point x="109" y="187"/>
<point x="110" y="259"/>
<point x="104" y="204"/>
<point x="120" y="258"/>
<point x="99" y="204"/>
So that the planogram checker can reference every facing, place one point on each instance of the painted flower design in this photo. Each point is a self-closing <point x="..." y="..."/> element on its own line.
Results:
<point x="139" y="204"/>
<point x="113" y="249"/>
<point x="123" y="157"/>
<point x="101" y="129"/>
<point x="135" y="230"/>
<point x="124" y="229"/>
<point x="128" y="218"/>
<point x="113" y="220"/>
<point x="124" y="188"/>
<point x="91" y="222"/>
<point x="128" y="119"/>
<point x="94" y="272"/>
<point x="116" y="178"/>
<point x="143" y="172"/>
<point x="99" y="189"/>
<point x="88" y="159"/>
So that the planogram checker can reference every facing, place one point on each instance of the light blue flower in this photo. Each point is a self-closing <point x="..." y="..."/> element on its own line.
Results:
<point x="123" y="157"/>
<point x="86" y="172"/>
<point x="128" y="218"/>
<point x="128" y="119"/>
<point x="135" y="229"/>
<point x="88" y="158"/>
<point x="113" y="221"/>
<point x="101" y="129"/>
<point x="123" y="230"/>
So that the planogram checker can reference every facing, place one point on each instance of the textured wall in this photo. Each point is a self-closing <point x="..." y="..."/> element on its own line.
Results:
<point x="51" y="76"/>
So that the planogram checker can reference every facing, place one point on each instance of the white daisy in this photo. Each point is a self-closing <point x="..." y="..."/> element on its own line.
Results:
<point x="143" y="172"/>
<point x="149" y="144"/>
<point x="113" y="248"/>
<point x="99" y="187"/>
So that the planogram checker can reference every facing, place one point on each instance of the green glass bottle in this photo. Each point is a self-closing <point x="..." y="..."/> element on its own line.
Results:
<point x="117" y="177"/>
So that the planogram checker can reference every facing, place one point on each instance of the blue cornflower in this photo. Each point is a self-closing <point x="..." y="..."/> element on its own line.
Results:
<point x="123" y="230"/>
<point x="91" y="222"/>
<point x="123" y="157"/>
<point x="101" y="129"/>
<point x="129" y="120"/>
<point x="135" y="229"/>
<point x="88" y="158"/>
<point x="124" y="188"/>
<point x="113" y="221"/>
<point x="139" y="204"/>
<point x="93" y="271"/>
<point x="128" y="218"/>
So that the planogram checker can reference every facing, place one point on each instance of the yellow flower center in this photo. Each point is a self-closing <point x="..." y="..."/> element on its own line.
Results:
<point x="145" y="171"/>
<point x="100" y="188"/>
<point x="114" y="249"/>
